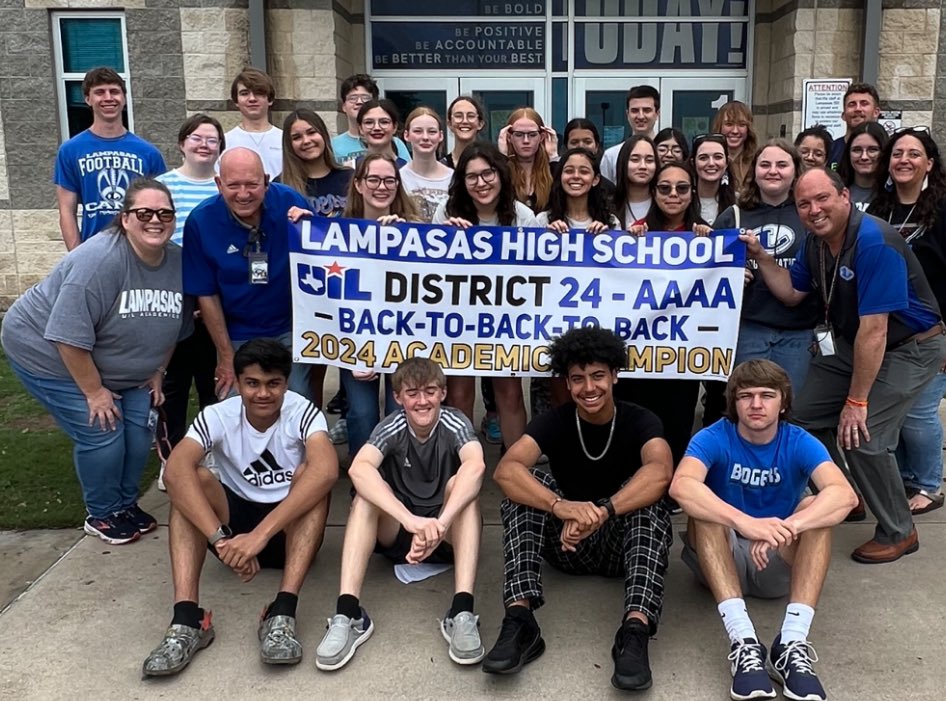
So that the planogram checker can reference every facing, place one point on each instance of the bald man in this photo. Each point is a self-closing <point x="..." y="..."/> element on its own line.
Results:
<point x="236" y="262"/>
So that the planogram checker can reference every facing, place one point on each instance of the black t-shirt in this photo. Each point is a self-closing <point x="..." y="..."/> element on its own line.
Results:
<point x="329" y="194"/>
<point x="579" y="478"/>
<point x="928" y="244"/>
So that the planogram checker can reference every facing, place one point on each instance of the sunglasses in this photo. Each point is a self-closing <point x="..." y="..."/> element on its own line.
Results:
<point x="666" y="188"/>
<point x="909" y="130"/>
<point x="143" y="214"/>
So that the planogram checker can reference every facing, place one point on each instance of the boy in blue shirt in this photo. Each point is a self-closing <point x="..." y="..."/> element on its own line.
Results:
<point x="752" y="531"/>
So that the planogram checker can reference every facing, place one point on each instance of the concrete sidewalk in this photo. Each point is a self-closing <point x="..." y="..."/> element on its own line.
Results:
<point x="83" y="630"/>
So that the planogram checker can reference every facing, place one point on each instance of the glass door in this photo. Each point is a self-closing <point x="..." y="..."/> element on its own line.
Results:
<point x="692" y="103"/>
<point x="604" y="102"/>
<point x="500" y="96"/>
<point x="408" y="93"/>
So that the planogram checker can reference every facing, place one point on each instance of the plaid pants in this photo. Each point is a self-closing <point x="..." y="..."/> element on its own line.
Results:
<point x="635" y="545"/>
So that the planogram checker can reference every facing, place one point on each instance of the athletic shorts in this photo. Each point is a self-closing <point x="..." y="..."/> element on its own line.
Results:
<point x="773" y="582"/>
<point x="247" y="515"/>
<point x="398" y="550"/>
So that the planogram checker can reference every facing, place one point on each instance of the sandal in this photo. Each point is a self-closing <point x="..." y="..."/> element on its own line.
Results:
<point x="936" y="501"/>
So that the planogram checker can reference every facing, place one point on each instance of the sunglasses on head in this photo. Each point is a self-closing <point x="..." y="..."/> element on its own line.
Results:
<point x="909" y="130"/>
<point x="714" y="138"/>
<point x="143" y="214"/>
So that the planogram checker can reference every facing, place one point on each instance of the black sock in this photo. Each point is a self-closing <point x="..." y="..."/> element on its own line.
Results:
<point x="519" y="611"/>
<point x="462" y="601"/>
<point x="348" y="606"/>
<point x="283" y="605"/>
<point x="187" y="613"/>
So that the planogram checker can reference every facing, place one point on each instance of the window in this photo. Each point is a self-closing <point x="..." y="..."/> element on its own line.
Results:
<point x="82" y="41"/>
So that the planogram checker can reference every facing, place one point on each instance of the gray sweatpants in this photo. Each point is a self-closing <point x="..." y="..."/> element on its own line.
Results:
<point x="903" y="373"/>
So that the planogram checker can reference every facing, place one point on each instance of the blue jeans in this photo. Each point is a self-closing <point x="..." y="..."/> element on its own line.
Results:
<point x="786" y="348"/>
<point x="363" y="413"/>
<point x="920" y="451"/>
<point x="109" y="464"/>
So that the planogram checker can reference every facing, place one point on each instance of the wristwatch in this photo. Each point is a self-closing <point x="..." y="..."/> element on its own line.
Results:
<point x="219" y="534"/>
<point x="606" y="503"/>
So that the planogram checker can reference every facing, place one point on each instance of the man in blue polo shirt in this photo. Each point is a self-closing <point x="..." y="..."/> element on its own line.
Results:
<point x="236" y="262"/>
<point x="750" y="531"/>
<point x="880" y="342"/>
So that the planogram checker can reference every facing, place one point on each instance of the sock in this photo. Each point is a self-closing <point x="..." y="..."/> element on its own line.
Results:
<point x="348" y="606"/>
<point x="519" y="611"/>
<point x="797" y="622"/>
<point x="462" y="601"/>
<point x="283" y="605"/>
<point x="736" y="619"/>
<point x="187" y="613"/>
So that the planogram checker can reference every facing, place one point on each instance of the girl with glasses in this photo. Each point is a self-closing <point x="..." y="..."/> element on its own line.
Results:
<point x="671" y="145"/>
<point x="482" y="193"/>
<point x="200" y="140"/>
<point x="859" y="166"/>
<point x="425" y="178"/>
<point x="734" y="121"/>
<point x="466" y="118"/>
<point x="636" y="165"/>
<point x="814" y="146"/>
<point x="530" y="146"/>
<point x="914" y="203"/>
<point x="714" y="187"/>
<point x="377" y="124"/>
<point x="377" y="194"/>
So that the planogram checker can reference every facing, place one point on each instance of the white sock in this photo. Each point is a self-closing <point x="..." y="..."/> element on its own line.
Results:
<point x="797" y="622"/>
<point x="736" y="619"/>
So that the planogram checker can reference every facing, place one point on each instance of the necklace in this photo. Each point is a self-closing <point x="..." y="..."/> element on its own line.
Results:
<point x="581" y="438"/>
<point x="918" y="231"/>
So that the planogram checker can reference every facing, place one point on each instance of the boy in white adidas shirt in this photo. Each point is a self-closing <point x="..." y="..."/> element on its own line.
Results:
<point x="277" y="468"/>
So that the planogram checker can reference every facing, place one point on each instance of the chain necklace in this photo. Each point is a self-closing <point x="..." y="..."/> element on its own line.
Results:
<point x="581" y="438"/>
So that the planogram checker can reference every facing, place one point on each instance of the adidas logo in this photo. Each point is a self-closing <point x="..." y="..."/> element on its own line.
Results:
<point x="232" y="249"/>
<point x="266" y="472"/>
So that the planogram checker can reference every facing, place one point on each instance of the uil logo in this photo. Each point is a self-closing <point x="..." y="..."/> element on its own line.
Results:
<point x="112" y="183"/>
<point x="333" y="281"/>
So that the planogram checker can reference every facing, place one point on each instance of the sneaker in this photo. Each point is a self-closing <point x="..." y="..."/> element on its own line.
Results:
<point x="338" y="434"/>
<point x="343" y="637"/>
<point x="489" y="427"/>
<point x="337" y="404"/>
<point x="463" y="633"/>
<point x="161" y="486"/>
<point x="790" y="666"/>
<point x="142" y="520"/>
<point x="178" y="648"/>
<point x="113" y="529"/>
<point x="749" y="678"/>
<point x="520" y="641"/>
<point x="278" y="641"/>
<point x="631" y="663"/>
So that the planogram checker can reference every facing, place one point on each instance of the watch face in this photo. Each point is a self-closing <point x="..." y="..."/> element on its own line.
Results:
<point x="226" y="530"/>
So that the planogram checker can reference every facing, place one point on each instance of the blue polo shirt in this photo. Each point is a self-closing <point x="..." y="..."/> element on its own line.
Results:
<point x="214" y="263"/>
<point x="763" y="481"/>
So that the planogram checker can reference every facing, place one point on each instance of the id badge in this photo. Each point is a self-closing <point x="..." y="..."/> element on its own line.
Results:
<point x="259" y="268"/>
<point x="152" y="420"/>
<point x="824" y="336"/>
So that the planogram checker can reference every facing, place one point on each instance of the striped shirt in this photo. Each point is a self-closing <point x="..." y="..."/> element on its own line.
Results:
<point x="187" y="194"/>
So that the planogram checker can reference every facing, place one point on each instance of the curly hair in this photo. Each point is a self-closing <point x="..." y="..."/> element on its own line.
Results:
<point x="585" y="345"/>
<point x="750" y="196"/>
<point x="931" y="199"/>
<point x="598" y="206"/>
<point x="878" y="134"/>
<point x="459" y="202"/>
<point x="656" y="220"/>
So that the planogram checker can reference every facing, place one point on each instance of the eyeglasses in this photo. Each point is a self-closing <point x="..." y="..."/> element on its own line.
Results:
<point x="524" y="135"/>
<point x="358" y="99"/>
<point x="197" y="140"/>
<point x="371" y="123"/>
<point x="143" y="214"/>
<point x="467" y="117"/>
<point x="488" y="176"/>
<point x="859" y="151"/>
<point x="815" y="152"/>
<point x="373" y="182"/>
<point x="664" y="149"/>
<point x="666" y="188"/>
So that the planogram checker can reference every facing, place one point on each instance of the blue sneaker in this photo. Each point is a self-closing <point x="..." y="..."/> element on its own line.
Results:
<point x="489" y="426"/>
<point x="114" y="529"/>
<point x="790" y="666"/>
<point x="749" y="678"/>
<point x="141" y="520"/>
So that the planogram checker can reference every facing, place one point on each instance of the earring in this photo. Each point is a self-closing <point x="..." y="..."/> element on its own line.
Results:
<point x="888" y="186"/>
<point x="926" y="182"/>
<point x="725" y="179"/>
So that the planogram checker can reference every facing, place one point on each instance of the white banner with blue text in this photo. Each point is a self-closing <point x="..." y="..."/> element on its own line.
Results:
<point x="489" y="300"/>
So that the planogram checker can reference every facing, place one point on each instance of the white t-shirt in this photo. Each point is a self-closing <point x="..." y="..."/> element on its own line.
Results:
<point x="525" y="217"/>
<point x="268" y="144"/>
<point x="257" y="466"/>
<point x="709" y="209"/>
<point x="428" y="193"/>
<point x="543" y="220"/>
<point x="635" y="211"/>
<point x="609" y="162"/>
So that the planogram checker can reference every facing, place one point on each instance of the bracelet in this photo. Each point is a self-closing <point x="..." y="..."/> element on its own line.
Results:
<point x="856" y="402"/>
<point x="163" y="370"/>
<point x="552" y="508"/>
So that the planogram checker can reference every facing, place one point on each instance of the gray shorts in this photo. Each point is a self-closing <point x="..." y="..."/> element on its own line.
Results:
<point x="773" y="582"/>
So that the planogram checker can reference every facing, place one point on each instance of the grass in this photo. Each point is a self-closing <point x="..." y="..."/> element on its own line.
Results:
<point x="38" y="484"/>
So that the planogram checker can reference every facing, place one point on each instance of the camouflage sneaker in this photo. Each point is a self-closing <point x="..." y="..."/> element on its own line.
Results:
<point x="178" y="648"/>
<point x="278" y="643"/>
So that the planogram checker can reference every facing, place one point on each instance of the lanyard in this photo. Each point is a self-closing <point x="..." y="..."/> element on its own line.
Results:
<point x="824" y="275"/>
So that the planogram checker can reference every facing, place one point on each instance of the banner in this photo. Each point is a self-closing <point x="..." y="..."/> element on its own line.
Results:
<point x="488" y="300"/>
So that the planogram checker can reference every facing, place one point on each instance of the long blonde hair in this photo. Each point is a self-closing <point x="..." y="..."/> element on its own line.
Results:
<point x="294" y="168"/>
<point x="740" y="165"/>
<point x="541" y="168"/>
<point x="402" y="205"/>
